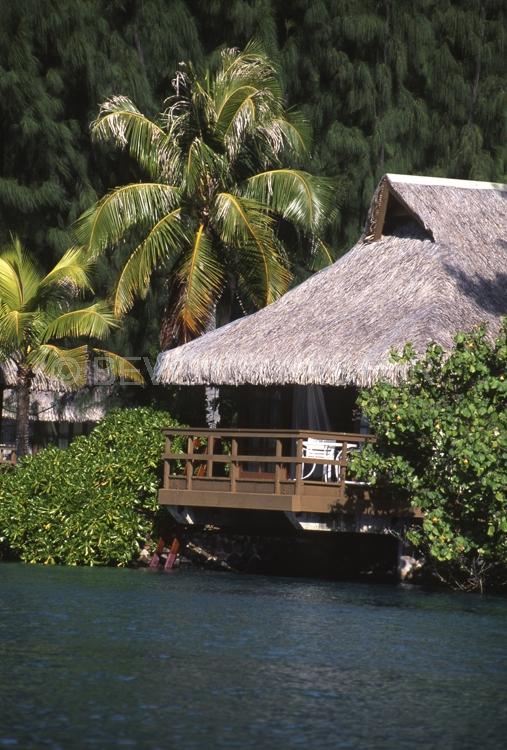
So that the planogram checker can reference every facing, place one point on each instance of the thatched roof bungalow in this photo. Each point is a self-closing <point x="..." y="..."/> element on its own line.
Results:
<point x="88" y="404"/>
<point x="431" y="261"/>
<point x="57" y="411"/>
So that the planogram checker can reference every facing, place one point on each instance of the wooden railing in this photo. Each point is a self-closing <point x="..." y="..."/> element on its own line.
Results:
<point x="242" y="455"/>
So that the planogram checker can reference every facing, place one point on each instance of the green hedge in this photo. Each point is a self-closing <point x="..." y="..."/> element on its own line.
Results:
<point x="91" y="504"/>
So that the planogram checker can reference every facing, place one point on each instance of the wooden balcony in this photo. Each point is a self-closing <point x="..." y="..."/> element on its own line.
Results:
<point x="265" y="470"/>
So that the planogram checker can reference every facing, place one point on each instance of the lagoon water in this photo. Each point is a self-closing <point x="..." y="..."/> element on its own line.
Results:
<point x="104" y="658"/>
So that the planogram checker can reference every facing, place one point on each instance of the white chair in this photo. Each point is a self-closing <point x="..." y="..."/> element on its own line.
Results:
<point x="322" y="449"/>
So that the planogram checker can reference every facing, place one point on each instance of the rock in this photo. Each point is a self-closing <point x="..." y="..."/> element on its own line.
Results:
<point x="408" y="567"/>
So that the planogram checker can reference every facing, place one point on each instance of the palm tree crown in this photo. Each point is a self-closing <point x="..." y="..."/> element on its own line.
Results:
<point x="216" y="191"/>
<point x="38" y="324"/>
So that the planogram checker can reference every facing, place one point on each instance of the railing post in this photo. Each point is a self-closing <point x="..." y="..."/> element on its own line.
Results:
<point x="343" y="470"/>
<point x="278" y="466"/>
<point x="209" y="462"/>
<point x="167" y="463"/>
<point x="233" y="473"/>
<point x="189" y="464"/>
<point x="299" y="465"/>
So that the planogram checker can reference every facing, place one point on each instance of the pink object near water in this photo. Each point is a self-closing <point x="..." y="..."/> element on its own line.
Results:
<point x="173" y="552"/>
<point x="155" y="560"/>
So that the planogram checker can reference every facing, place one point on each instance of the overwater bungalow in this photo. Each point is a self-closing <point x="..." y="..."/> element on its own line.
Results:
<point x="432" y="261"/>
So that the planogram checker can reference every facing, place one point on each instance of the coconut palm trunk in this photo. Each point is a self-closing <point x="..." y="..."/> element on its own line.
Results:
<point x="23" y="413"/>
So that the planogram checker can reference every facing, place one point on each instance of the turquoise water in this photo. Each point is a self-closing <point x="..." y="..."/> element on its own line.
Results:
<point x="104" y="658"/>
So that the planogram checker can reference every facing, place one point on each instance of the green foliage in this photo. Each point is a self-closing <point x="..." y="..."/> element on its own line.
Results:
<point x="442" y="443"/>
<point x="91" y="504"/>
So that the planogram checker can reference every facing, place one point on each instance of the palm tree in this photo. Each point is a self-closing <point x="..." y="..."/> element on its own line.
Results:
<point x="37" y="322"/>
<point x="216" y="192"/>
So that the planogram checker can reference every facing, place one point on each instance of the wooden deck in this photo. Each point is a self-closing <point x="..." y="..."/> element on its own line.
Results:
<point x="264" y="470"/>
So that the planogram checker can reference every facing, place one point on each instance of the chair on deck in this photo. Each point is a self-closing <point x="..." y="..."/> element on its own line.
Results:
<point x="324" y="449"/>
<point x="321" y="449"/>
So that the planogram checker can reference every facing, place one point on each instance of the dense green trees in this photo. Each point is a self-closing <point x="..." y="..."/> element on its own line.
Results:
<point x="442" y="445"/>
<point x="58" y="61"/>
<point x="387" y="85"/>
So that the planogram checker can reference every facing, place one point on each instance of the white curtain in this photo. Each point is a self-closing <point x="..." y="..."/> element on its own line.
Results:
<point x="309" y="408"/>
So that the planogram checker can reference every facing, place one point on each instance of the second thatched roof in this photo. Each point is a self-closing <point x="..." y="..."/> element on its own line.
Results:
<point x="431" y="262"/>
<point x="89" y="404"/>
<point x="54" y="401"/>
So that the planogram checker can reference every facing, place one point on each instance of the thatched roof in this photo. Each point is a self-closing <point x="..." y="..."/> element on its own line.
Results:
<point x="431" y="262"/>
<point x="87" y="404"/>
<point x="8" y="379"/>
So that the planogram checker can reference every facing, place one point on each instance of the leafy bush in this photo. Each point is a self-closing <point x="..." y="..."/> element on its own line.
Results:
<point x="91" y="504"/>
<point x="442" y="443"/>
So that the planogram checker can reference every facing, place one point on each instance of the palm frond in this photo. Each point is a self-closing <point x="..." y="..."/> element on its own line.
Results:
<point x="250" y="65"/>
<point x="118" y="367"/>
<point x="204" y="167"/>
<point x="19" y="277"/>
<point x="67" y="366"/>
<point x="164" y="240"/>
<point x="232" y="101"/>
<point x="15" y="327"/>
<point x="297" y="196"/>
<point x="94" y="321"/>
<point x="201" y="278"/>
<point x="11" y="291"/>
<point x="290" y="133"/>
<point x="105" y="223"/>
<point x="71" y="269"/>
<point x="25" y="269"/>
<point x="320" y="254"/>
<point x="246" y="94"/>
<point x="244" y="224"/>
<point x="122" y="123"/>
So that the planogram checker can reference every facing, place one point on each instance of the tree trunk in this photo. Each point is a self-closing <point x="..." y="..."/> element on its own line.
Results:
<point x="23" y="415"/>
<point x="1" y="412"/>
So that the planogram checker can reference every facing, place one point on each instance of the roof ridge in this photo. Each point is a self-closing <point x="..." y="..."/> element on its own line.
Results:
<point x="412" y="179"/>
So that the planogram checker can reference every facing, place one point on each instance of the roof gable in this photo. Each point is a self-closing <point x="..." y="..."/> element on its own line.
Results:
<point x="449" y="211"/>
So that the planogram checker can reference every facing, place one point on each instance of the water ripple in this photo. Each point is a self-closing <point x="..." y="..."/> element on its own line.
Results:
<point x="119" y="658"/>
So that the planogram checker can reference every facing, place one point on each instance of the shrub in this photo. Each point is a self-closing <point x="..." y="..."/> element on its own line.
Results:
<point x="91" y="504"/>
<point x="442" y="443"/>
